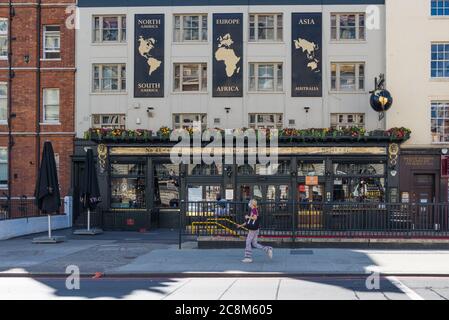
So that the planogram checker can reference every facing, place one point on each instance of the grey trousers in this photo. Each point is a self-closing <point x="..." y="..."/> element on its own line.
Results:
<point x="251" y="241"/>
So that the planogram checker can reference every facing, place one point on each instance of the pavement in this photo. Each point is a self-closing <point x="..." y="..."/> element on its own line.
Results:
<point x="156" y="253"/>
<point x="243" y="288"/>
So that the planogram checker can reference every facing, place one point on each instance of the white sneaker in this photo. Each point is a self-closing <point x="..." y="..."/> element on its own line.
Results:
<point x="270" y="253"/>
<point x="247" y="260"/>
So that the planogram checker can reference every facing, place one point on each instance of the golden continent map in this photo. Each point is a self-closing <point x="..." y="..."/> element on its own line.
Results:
<point x="145" y="46"/>
<point x="226" y="54"/>
<point x="309" y="48"/>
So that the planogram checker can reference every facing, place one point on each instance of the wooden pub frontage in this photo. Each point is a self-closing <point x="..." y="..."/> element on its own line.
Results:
<point x="142" y="189"/>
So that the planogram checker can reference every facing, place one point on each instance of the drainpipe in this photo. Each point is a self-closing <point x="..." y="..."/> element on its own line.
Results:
<point x="10" y="76"/>
<point x="38" y="87"/>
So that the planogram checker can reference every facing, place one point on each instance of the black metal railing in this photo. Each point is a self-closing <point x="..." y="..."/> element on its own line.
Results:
<point x="331" y="219"/>
<point x="22" y="207"/>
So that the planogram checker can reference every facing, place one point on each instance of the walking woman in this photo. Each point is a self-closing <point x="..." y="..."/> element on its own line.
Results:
<point x="252" y="224"/>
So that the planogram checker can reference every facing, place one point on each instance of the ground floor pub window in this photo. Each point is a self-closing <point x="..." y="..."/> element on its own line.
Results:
<point x="264" y="192"/>
<point x="128" y="186"/>
<point x="197" y="193"/>
<point x="359" y="182"/>
<point x="307" y="194"/>
<point x="167" y="185"/>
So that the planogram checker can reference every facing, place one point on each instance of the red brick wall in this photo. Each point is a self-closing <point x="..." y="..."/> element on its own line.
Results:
<point x="54" y="74"/>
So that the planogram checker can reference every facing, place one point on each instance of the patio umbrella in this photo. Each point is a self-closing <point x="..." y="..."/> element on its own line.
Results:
<point x="90" y="192"/>
<point x="48" y="198"/>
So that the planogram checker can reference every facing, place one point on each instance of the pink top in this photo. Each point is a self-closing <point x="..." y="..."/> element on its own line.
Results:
<point x="254" y="212"/>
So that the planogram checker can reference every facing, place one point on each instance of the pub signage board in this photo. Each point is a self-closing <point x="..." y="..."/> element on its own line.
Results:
<point x="149" y="50"/>
<point x="227" y="53"/>
<point x="307" y="55"/>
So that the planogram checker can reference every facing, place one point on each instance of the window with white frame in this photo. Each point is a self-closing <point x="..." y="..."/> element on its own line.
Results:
<point x="439" y="7"/>
<point x="266" y="77"/>
<point x="52" y="42"/>
<point x="190" y="120"/>
<point x="440" y="60"/>
<point x="3" y="38"/>
<point x="348" y="76"/>
<point x="266" y="27"/>
<point x="3" y="102"/>
<point x="265" y="120"/>
<point x="347" y="120"/>
<point x="3" y="167"/>
<point x="348" y="26"/>
<point x="440" y="121"/>
<point x="190" y="28"/>
<point x="109" y="77"/>
<point x="109" y="29"/>
<point x="190" y="77"/>
<point x="51" y="105"/>
<point x="109" y="121"/>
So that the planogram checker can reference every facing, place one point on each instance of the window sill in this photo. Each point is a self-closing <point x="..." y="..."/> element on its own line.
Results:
<point x="443" y="79"/>
<point x="3" y="187"/>
<point x="50" y="123"/>
<point x="190" y="92"/>
<point x="2" y="58"/>
<point x="44" y="59"/>
<point x="3" y="123"/>
<point x="348" y="42"/>
<point x="105" y="93"/>
<point x="191" y="42"/>
<point x="111" y="43"/>
<point x="347" y="92"/>
<point x="443" y="17"/>
<point x="267" y="42"/>
<point x="266" y="92"/>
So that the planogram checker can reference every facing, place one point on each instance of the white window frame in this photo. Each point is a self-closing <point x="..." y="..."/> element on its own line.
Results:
<point x="4" y="162"/>
<point x="121" y="79"/>
<point x="358" y="120"/>
<point x="58" y="50"/>
<point x="4" y="98"/>
<point x="180" y="125"/>
<point x="338" y="77"/>
<point x="438" y="60"/>
<point x="4" y="34"/>
<point x="121" y="36"/>
<point x="97" y="121"/>
<point x="444" y="8"/>
<point x="277" y="66"/>
<point x="443" y="117"/>
<point x="51" y="121"/>
<point x="202" y="82"/>
<point x="277" y="124"/>
<point x="201" y="28"/>
<point x="276" y="28"/>
<point x="358" y="35"/>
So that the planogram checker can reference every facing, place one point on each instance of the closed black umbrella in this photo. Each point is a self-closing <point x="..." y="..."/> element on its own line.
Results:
<point x="47" y="193"/>
<point x="48" y="198"/>
<point x="90" y="190"/>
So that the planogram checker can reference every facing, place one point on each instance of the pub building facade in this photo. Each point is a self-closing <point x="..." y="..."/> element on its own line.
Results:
<point x="423" y="103"/>
<point x="144" y="70"/>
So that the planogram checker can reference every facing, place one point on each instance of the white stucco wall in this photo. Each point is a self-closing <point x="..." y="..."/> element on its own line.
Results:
<point x="371" y="51"/>
<point x="410" y="32"/>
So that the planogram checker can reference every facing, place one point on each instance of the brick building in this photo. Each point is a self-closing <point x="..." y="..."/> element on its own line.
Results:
<point x="36" y="91"/>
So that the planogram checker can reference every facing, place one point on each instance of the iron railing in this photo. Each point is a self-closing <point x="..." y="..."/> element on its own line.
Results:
<point x="291" y="219"/>
<point x="19" y="208"/>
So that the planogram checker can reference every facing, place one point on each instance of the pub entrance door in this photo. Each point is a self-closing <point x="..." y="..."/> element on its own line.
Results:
<point x="424" y="196"/>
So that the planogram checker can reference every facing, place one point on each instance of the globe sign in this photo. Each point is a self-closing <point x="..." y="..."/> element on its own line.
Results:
<point x="381" y="100"/>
